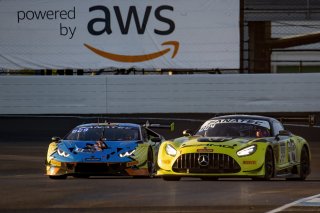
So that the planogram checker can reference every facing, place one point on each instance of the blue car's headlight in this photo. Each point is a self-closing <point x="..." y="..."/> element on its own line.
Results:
<point x="171" y="150"/>
<point x="247" y="151"/>
<point x="62" y="153"/>
<point x="126" y="154"/>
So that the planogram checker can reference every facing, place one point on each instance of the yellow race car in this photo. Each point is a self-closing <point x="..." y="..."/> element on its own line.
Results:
<point x="236" y="146"/>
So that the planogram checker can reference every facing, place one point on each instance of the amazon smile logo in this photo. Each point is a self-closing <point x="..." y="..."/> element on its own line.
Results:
<point x="136" y="17"/>
<point x="137" y="58"/>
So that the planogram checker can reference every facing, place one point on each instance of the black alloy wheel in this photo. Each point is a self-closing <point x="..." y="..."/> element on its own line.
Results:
<point x="268" y="166"/>
<point x="304" y="164"/>
<point x="150" y="162"/>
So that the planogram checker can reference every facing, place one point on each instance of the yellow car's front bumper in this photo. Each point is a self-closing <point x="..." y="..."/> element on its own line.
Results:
<point x="217" y="162"/>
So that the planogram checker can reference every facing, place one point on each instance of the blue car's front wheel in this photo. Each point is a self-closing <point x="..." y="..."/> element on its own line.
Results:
<point x="150" y="162"/>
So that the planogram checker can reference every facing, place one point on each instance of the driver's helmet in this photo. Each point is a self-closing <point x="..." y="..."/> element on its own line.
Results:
<point x="260" y="133"/>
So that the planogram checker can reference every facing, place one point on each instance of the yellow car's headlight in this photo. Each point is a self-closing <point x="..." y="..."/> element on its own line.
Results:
<point x="247" y="151"/>
<point x="170" y="150"/>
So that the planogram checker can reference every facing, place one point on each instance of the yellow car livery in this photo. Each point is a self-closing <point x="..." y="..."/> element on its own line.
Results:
<point x="236" y="146"/>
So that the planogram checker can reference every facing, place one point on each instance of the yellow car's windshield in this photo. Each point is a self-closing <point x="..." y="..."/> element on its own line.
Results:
<point x="235" y="128"/>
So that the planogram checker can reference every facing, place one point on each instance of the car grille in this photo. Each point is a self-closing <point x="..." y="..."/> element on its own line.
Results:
<point x="216" y="163"/>
<point x="99" y="168"/>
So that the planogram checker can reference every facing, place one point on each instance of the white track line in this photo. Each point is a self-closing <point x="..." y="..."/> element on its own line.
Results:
<point x="292" y="204"/>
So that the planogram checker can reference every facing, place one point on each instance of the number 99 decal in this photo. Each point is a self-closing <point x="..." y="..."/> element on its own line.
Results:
<point x="292" y="151"/>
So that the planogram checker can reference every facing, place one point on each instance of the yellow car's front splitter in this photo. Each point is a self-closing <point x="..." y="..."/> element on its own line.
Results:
<point x="257" y="172"/>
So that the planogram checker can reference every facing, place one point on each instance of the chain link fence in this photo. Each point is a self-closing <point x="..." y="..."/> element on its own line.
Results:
<point x="285" y="19"/>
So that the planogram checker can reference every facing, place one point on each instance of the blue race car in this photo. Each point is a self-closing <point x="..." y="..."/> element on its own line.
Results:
<point x="104" y="149"/>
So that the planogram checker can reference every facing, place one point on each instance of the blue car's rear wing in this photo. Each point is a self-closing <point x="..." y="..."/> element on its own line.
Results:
<point x="311" y="119"/>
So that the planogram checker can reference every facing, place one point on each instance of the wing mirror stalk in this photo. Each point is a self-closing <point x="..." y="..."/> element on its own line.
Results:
<point x="55" y="139"/>
<point x="283" y="133"/>
<point x="156" y="140"/>
<point x="187" y="133"/>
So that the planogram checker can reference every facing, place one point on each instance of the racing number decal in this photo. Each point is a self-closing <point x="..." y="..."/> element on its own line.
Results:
<point x="292" y="151"/>
<point x="288" y="150"/>
<point x="282" y="157"/>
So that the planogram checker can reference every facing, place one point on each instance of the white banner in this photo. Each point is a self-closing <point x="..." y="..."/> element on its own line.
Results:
<point x="95" y="34"/>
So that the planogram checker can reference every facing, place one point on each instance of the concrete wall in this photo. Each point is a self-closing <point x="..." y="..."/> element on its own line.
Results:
<point x="42" y="128"/>
<point x="160" y="94"/>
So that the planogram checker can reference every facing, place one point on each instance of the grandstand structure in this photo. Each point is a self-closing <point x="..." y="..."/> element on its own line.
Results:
<point x="280" y="36"/>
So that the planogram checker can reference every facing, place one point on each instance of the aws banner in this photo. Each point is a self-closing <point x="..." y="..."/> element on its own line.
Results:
<point x="95" y="34"/>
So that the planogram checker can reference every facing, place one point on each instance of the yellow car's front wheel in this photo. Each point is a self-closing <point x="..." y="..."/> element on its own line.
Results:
<point x="268" y="166"/>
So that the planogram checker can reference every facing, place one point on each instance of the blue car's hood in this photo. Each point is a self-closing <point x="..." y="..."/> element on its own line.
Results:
<point x="86" y="151"/>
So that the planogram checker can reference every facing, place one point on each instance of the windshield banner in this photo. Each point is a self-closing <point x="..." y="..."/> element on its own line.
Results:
<point x="153" y="34"/>
<point x="212" y="123"/>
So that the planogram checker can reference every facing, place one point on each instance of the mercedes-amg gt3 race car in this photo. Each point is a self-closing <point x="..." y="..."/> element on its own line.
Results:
<point x="236" y="146"/>
<point x="104" y="149"/>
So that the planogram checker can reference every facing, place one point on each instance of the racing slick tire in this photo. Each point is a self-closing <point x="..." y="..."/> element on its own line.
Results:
<point x="268" y="166"/>
<point x="304" y="164"/>
<point x="150" y="166"/>
<point x="304" y="167"/>
<point x="171" y="178"/>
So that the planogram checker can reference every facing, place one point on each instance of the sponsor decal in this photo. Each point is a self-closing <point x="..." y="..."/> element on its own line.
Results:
<point x="55" y="163"/>
<point x="250" y="162"/>
<point x="136" y="58"/>
<point x="292" y="151"/>
<point x="212" y="123"/>
<point x="204" y="150"/>
<point x="210" y="145"/>
<point x="282" y="153"/>
<point x="93" y="159"/>
<point x="133" y="163"/>
<point x="165" y="161"/>
<point x="124" y="27"/>
<point x="107" y="34"/>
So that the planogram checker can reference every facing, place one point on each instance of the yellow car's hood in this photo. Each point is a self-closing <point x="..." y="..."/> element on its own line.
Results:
<point x="226" y="142"/>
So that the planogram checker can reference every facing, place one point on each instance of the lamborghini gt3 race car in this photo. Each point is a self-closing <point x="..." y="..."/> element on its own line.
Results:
<point x="236" y="146"/>
<point x="104" y="149"/>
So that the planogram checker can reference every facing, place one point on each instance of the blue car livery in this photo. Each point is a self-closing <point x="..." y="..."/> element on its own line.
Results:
<point x="104" y="149"/>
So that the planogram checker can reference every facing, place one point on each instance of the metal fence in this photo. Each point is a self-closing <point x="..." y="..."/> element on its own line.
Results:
<point x="265" y="21"/>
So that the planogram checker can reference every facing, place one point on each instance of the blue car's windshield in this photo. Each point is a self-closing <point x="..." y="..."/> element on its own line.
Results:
<point x="109" y="133"/>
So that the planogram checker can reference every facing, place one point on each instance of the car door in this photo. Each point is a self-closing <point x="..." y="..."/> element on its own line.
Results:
<point x="284" y="151"/>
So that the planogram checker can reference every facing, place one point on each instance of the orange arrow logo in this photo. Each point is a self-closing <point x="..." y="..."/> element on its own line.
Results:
<point x="136" y="58"/>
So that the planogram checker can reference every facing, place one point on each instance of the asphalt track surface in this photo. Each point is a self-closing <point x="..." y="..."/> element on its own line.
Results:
<point x="25" y="188"/>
